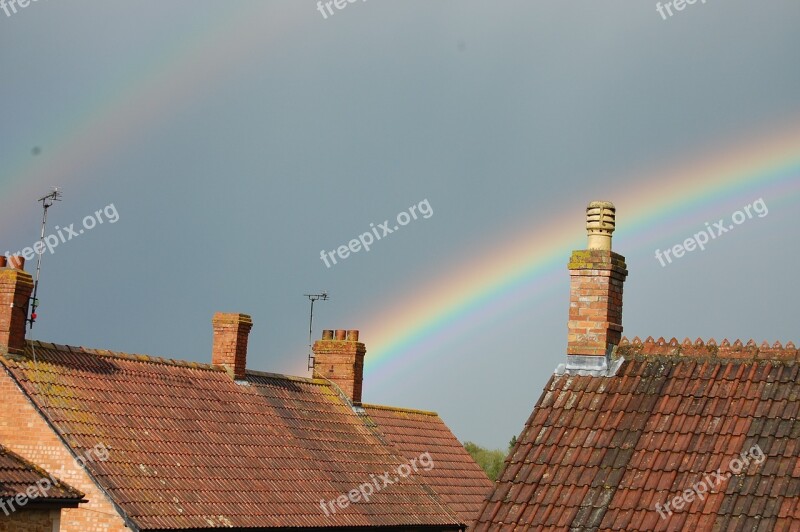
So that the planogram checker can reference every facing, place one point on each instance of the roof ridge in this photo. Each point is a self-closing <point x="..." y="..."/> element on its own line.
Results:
<point x="400" y="409"/>
<point x="136" y="357"/>
<point x="709" y="349"/>
<point x="139" y="357"/>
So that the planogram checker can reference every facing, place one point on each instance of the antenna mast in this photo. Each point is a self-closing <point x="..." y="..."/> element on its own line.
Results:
<point x="47" y="202"/>
<point x="312" y="298"/>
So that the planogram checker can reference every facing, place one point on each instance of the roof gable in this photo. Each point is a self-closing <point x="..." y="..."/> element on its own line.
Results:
<point x="454" y="475"/>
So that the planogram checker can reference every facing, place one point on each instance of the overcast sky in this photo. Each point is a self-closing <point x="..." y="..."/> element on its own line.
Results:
<point x="237" y="140"/>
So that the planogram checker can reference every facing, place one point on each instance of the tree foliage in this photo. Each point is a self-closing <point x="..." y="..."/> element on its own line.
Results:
<point x="491" y="462"/>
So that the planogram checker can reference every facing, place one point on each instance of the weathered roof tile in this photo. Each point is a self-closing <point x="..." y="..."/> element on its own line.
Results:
<point x="18" y="474"/>
<point x="459" y="481"/>
<point x="665" y="423"/>
<point x="191" y="448"/>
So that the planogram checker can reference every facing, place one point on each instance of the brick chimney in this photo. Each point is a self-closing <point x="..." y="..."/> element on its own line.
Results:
<point x="340" y="359"/>
<point x="16" y="286"/>
<point x="595" y="302"/>
<point x="230" y="342"/>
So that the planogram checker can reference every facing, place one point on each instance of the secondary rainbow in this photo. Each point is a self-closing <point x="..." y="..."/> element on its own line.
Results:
<point x="115" y="117"/>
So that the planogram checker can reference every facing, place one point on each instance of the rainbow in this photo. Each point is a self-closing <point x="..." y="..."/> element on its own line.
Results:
<point x="504" y="276"/>
<point x="116" y="117"/>
<point x="528" y="262"/>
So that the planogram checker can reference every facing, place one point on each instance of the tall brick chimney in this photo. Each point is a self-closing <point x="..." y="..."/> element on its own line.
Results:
<point x="230" y="342"/>
<point x="16" y="286"/>
<point x="340" y="359"/>
<point x="595" y="303"/>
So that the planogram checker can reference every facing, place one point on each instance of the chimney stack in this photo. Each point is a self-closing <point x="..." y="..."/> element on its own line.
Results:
<point x="230" y="342"/>
<point x="16" y="286"/>
<point x="339" y="358"/>
<point x="597" y="275"/>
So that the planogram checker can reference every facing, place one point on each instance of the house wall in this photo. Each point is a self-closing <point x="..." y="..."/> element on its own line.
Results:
<point x="24" y="431"/>
<point x="30" y="521"/>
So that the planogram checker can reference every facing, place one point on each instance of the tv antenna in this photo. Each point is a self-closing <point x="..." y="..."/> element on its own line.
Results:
<point x="47" y="202"/>
<point x="313" y="298"/>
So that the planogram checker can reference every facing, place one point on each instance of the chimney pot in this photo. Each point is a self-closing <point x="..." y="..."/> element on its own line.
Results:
<point x="352" y="336"/>
<point x="341" y="334"/>
<point x="16" y="262"/>
<point x="231" y="332"/>
<point x="2" y="261"/>
<point x="600" y="224"/>
<point x="327" y="334"/>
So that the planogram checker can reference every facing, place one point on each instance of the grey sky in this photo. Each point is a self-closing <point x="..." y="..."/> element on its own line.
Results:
<point x="237" y="140"/>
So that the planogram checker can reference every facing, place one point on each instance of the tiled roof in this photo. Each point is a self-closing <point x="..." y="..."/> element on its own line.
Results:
<point x="18" y="474"/>
<point x="191" y="448"/>
<point x="455" y="476"/>
<point x="599" y="453"/>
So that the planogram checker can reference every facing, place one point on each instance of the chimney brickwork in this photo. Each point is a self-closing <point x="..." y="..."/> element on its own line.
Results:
<point x="340" y="359"/>
<point x="597" y="276"/>
<point x="16" y="286"/>
<point x="231" y="332"/>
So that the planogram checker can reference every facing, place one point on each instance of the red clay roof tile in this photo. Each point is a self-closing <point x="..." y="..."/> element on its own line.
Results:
<point x="191" y="448"/>
<point x="18" y="474"/>
<point x="664" y="423"/>
<point x="455" y="476"/>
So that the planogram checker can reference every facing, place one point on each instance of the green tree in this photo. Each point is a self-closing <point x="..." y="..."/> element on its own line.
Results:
<point x="490" y="461"/>
<point x="511" y="444"/>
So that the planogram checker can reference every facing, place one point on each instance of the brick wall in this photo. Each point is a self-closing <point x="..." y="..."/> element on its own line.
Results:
<point x="24" y="431"/>
<point x="29" y="521"/>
